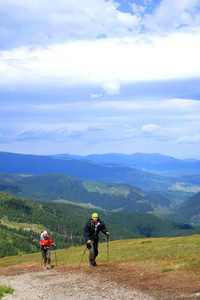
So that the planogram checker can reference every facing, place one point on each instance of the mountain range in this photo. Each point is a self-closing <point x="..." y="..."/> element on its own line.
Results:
<point x="107" y="196"/>
<point x="150" y="162"/>
<point x="111" y="186"/>
<point x="95" y="171"/>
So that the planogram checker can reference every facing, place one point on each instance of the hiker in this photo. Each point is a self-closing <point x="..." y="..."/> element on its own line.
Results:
<point x="45" y="242"/>
<point x="91" y="231"/>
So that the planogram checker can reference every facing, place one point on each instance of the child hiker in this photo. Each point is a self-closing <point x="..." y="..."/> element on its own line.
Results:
<point x="45" y="242"/>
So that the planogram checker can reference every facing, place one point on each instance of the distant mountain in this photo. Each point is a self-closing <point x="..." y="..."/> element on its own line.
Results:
<point x="156" y="163"/>
<point x="193" y="179"/>
<point x="99" y="172"/>
<point x="190" y="209"/>
<point x="62" y="187"/>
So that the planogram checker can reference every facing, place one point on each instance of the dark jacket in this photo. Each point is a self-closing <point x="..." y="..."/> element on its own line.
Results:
<point x="91" y="232"/>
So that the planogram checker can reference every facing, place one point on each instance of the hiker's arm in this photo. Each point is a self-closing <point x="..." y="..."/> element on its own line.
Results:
<point x="51" y="243"/>
<point x="87" y="234"/>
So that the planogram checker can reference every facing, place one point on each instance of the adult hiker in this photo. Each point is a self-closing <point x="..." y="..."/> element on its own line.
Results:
<point x="91" y="231"/>
<point x="45" y="242"/>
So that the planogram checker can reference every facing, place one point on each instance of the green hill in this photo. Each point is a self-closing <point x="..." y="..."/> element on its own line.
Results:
<point x="190" y="209"/>
<point x="17" y="241"/>
<point x="108" y="196"/>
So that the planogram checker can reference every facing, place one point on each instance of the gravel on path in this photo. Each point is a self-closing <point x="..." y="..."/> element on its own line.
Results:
<point x="52" y="284"/>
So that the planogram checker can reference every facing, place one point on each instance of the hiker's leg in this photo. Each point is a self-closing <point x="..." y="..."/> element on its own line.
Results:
<point x="48" y="257"/>
<point x="91" y="254"/>
<point x="45" y="257"/>
<point x="95" y="250"/>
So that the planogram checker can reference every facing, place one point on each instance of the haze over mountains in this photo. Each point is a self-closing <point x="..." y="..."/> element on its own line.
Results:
<point x="157" y="163"/>
<point x="100" y="172"/>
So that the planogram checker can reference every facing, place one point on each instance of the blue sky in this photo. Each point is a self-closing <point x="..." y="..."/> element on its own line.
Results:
<point x="96" y="76"/>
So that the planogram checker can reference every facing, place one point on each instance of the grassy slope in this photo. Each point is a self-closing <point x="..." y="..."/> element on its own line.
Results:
<point x="178" y="255"/>
<point x="62" y="220"/>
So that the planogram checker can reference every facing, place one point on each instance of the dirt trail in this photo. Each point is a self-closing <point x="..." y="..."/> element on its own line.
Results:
<point x="111" y="281"/>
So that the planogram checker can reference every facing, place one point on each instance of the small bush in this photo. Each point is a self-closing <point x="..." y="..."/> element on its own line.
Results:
<point x="5" y="290"/>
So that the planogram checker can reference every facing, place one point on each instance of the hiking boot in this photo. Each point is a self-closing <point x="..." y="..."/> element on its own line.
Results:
<point x="48" y="267"/>
<point x="95" y="264"/>
<point x="45" y="268"/>
<point x="91" y="265"/>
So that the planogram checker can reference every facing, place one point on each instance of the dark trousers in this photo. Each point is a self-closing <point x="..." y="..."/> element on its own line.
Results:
<point x="46" y="255"/>
<point x="93" y="247"/>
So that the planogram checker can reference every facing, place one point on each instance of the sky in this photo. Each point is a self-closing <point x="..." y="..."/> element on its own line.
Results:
<point x="100" y="76"/>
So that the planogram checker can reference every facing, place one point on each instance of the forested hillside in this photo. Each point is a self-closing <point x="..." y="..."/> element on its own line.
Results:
<point x="190" y="209"/>
<point x="17" y="241"/>
<point x="109" y="196"/>
<point x="66" y="222"/>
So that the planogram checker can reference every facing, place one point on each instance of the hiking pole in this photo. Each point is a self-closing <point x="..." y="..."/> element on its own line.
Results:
<point x="82" y="257"/>
<point x="42" y="258"/>
<point x="107" y="249"/>
<point x="55" y="255"/>
<point x="41" y="261"/>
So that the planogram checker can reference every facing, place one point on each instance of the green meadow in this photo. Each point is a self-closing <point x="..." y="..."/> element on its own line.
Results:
<point x="25" y="226"/>
<point x="178" y="254"/>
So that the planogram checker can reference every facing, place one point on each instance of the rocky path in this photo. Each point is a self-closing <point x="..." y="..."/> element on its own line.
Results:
<point x="102" y="282"/>
<point x="70" y="285"/>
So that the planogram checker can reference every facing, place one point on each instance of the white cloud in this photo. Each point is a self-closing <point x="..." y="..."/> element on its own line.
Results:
<point x="111" y="88"/>
<point x="189" y="139"/>
<point x="63" y="65"/>
<point x="45" y="22"/>
<point x="93" y="96"/>
<point x="55" y="43"/>
<point x="138" y="9"/>
<point x="168" y="119"/>
<point x="98" y="62"/>
<point x="150" y="128"/>
<point x="101" y="126"/>
<point x="171" y="15"/>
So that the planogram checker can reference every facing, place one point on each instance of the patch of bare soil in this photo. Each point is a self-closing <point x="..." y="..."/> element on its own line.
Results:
<point x="106" y="281"/>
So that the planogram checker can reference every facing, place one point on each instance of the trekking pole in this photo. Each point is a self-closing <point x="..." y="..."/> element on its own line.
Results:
<point x="41" y="261"/>
<point x="82" y="257"/>
<point x="55" y="255"/>
<point x="107" y="249"/>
